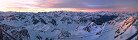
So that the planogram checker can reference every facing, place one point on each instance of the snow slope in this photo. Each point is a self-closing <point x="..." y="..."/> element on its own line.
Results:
<point x="62" y="25"/>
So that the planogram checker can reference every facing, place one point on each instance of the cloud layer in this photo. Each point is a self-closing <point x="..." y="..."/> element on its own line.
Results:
<point x="87" y="4"/>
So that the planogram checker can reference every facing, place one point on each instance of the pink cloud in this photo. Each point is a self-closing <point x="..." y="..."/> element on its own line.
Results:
<point x="83" y="5"/>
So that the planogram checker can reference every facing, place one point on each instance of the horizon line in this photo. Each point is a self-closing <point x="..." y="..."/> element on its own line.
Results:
<point x="67" y="9"/>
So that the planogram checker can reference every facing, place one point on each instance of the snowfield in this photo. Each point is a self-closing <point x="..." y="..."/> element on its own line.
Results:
<point x="63" y="25"/>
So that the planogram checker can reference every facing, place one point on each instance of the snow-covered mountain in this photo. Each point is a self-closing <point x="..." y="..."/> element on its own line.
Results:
<point x="62" y="25"/>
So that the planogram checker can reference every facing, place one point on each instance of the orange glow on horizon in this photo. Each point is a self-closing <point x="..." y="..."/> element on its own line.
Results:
<point x="49" y="9"/>
<point x="61" y="9"/>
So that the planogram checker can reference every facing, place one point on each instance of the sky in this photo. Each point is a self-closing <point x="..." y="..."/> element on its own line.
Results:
<point x="69" y="5"/>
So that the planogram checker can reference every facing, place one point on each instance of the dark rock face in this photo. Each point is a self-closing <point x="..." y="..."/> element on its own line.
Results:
<point x="69" y="22"/>
<point x="64" y="34"/>
<point x="87" y="29"/>
<point x="12" y="17"/>
<point x="35" y="21"/>
<point x="14" y="33"/>
<point x="53" y="22"/>
<point x="7" y="27"/>
<point x="1" y="18"/>
<point x="1" y="34"/>
<point x="21" y="16"/>
<point x="104" y="19"/>
<point x="42" y="21"/>
<point x="136" y="24"/>
<point x="83" y="20"/>
<point x="64" y="19"/>
<point x="39" y="37"/>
